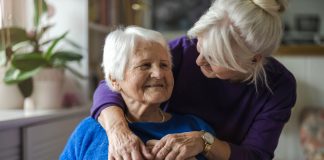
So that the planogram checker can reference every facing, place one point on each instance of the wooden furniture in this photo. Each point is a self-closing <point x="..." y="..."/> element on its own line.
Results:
<point x="302" y="49"/>
<point x="37" y="135"/>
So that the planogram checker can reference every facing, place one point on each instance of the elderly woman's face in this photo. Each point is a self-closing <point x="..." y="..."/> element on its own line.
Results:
<point x="148" y="76"/>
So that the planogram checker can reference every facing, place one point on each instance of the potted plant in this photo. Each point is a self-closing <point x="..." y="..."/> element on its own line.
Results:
<point x="34" y="63"/>
<point x="11" y="97"/>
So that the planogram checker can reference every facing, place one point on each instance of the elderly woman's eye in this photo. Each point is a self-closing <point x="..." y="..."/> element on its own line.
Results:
<point x="145" y="66"/>
<point x="164" y="65"/>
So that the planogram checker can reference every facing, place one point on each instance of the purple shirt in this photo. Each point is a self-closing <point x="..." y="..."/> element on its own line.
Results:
<point x="249" y="120"/>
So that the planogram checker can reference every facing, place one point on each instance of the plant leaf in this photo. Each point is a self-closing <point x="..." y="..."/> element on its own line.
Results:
<point x="28" y="61"/>
<point x="26" y="87"/>
<point x="49" y="51"/>
<point x="47" y="41"/>
<point x="67" y="56"/>
<point x="14" y="75"/>
<point x="78" y="74"/>
<point x="11" y="36"/>
<point x="40" y="7"/>
<point x="43" y="30"/>
<point x="72" y="43"/>
<point x="21" y="45"/>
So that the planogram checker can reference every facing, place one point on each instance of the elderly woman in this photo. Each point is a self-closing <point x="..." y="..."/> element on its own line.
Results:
<point x="137" y="64"/>
<point x="224" y="73"/>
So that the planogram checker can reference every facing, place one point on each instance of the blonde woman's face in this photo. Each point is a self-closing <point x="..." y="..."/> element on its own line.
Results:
<point x="212" y="71"/>
<point x="148" y="77"/>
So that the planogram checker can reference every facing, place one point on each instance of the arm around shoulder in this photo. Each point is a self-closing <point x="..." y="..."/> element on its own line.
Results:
<point x="103" y="98"/>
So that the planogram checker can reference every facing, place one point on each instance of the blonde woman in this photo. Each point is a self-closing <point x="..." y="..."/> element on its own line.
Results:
<point x="224" y="73"/>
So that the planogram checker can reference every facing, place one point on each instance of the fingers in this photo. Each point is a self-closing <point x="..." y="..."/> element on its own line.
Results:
<point x="119" y="157"/>
<point x="127" y="146"/>
<point x="172" y="154"/>
<point x="182" y="155"/>
<point x="152" y="142"/>
<point x="110" y="157"/>
<point x="177" y="146"/>
<point x="146" y="152"/>
<point x="125" y="156"/>
<point x="158" y="146"/>
<point x="163" y="153"/>
<point x="136" y="155"/>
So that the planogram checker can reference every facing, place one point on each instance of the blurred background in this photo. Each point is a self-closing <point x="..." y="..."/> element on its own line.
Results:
<point x="87" y="22"/>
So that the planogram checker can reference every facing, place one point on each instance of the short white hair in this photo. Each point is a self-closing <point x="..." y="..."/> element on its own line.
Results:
<point x="120" y="44"/>
<point x="234" y="31"/>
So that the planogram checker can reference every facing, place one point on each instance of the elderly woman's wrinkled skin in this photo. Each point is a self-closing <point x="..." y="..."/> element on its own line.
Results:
<point x="148" y="77"/>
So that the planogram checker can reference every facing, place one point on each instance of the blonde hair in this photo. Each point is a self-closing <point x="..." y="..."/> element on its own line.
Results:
<point x="120" y="44"/>
<point x="235" y="31"/>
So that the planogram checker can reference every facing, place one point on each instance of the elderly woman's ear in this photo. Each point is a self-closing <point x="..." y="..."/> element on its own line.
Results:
<point x="115" y="84"/>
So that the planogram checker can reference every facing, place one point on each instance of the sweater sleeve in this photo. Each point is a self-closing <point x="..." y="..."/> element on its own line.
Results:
<point x="105" y="97"/>
<point x="263" y="135"/>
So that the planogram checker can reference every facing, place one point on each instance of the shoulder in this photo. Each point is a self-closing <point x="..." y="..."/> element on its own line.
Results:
<point x="86" y="129"/>
<point x="283" y="85"/>
<point x="183" y="49"/>
<point x="279" y="75"/>
<point x="87" y="123"/>
<point x="182" y="42"/>
<point x="81" y="137"/>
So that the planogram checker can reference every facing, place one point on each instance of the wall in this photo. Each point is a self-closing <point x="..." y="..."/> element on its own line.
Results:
<point x="308" y="71"/>
<point x="305" y="7"/>
<point x="71" y="16"/>
<point x="5" y="13"/>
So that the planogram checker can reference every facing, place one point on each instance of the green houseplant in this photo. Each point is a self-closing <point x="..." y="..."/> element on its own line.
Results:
<point x="26" y="53"/>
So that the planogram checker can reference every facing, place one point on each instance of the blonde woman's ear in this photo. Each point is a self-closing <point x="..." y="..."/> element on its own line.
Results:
<point x="256" y="58"/>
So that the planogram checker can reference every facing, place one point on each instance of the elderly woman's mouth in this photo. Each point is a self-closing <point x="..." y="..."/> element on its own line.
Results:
<point x="154" y="86"/>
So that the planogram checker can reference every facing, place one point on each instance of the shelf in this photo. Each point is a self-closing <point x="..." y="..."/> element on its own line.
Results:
<point x="16" y="118"/>
<point x="303" y="49"/>
<point x="99" y="28"/>
<point x="170" y="35"/>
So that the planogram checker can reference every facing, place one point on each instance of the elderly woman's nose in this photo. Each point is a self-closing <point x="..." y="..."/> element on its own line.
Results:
<point x="157" y="72"/>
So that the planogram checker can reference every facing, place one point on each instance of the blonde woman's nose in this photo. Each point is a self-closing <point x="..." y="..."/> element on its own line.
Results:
<point x="200" y="61"/>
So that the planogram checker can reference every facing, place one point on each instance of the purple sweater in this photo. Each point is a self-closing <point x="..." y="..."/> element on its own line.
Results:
<point x="250" y="121"/>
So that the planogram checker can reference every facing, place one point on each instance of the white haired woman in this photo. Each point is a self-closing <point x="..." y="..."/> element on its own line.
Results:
<point x="137" y="64"/>
<point x="224" y="73"/>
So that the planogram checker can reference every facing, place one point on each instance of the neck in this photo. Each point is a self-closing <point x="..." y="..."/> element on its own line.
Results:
<point x="151" y="114"/>
<point x="239" y="77"/>
<point x="143" y="112"/>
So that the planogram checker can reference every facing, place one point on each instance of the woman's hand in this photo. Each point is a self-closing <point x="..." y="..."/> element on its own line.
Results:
<point x="123" y="144"/>
<point x="177" y="146"/>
